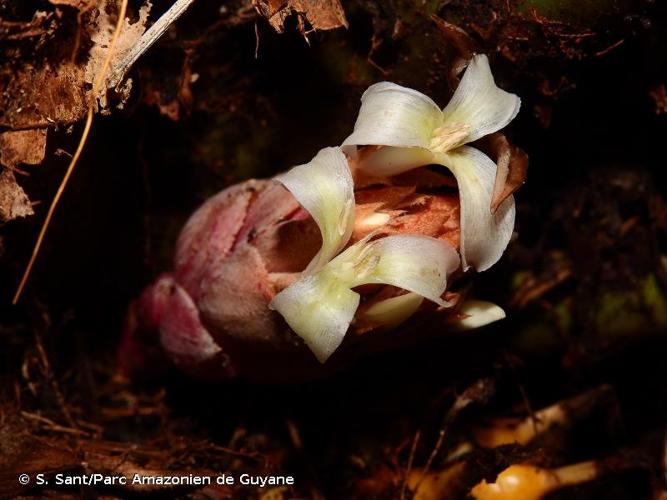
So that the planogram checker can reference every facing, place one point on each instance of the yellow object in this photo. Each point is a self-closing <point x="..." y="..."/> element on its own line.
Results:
<point x="527" y="482"/>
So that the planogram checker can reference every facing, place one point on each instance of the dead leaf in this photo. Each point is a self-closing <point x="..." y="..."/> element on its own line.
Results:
<point x="14" y="202"/>
<point x="320" y="14"/>
<point x="512" y="168"/>
<point x="38" y="98"/>
<point x="22" y="146"/>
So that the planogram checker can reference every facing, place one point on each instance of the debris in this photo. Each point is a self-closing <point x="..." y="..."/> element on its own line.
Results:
<point x="22" y="453"/>
<point x="22" y="146"/>
<point x="14" y="203"/>
<point x="130" y="35"/>
<point x="77" y="4"/>
<point x="319" y="14"/>
<point x="46" y="95"/>
<point x="659" y="96"/>
<point x="129" y="53"/>
<point x="43" y="97"/>
<point x="512" y="169"/>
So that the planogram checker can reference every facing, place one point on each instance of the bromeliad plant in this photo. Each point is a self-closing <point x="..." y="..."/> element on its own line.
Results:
<point x="377" y="235"/>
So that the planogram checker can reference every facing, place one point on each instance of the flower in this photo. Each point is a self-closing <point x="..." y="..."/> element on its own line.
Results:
<point x="415" y="132"/>
<point x="320" y="305"/>
<point x="331" y="250"/>
<point x="249" y="242"/>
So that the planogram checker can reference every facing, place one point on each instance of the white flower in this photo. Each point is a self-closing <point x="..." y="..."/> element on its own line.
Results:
<point x="325" y="188"/>
<point x="416" y="133"/>
<point x="320" y="305"/>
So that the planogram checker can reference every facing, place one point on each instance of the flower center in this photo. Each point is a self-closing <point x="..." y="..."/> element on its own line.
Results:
<point x="448" y="137"/>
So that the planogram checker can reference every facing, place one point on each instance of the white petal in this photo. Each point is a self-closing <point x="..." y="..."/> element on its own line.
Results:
<point x="484" y="236"/>
<point x="393" y="311"/>
<point x="392" y="115"/>
<point x="480" y="313"/>
<point x="416" y="263"/>
<point x="319" y="309"/>
<point x="388" y="161"/>
<point x="479" y="103"/>
<point x="325" y="188"/>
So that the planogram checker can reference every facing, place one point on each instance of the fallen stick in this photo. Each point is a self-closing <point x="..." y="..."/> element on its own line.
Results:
<point x="118" y="72"/>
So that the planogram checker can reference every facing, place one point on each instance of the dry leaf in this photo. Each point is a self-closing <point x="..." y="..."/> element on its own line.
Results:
<point x="512" y="168"/>
<point x="320" y="14"/>
<point x="22" y="146"/>
<point x="38" y="98"/>
<point x="14" y="202"/>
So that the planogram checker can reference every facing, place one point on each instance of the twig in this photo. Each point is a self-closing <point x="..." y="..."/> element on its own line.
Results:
<point x="664" y="462"/>
<point x="51" y="425"/>
<point x="511" y="362"/>
<point x="44" y="359"/>
<point x="431" y="457"/>
<point x="610" y="48"/>
<point x="478" y="391"/>
<point x="411" y="460"/>
<point x="119" y="71"/>
<point x="256" y="456"/>
<point x="79" y="21"/>
<point x="256" y="40"/>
